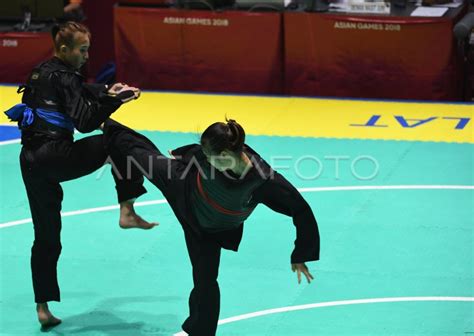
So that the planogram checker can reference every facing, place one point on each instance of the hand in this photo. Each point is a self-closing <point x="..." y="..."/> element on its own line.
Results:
<point x="136" y="92"/>
<point x="302" y="268"/>
<point x="124" y="92"/>
<point x="128" y="93"/>
<point x="116" y="88"/>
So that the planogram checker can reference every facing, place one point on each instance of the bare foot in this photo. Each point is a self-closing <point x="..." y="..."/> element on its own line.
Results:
<point x="134" y="221"/>
<point x="45" y="318"/>
<point x="129" y="218"/>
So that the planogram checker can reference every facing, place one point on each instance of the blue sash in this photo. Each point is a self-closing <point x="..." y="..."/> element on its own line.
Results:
<point x="27" y="116"/>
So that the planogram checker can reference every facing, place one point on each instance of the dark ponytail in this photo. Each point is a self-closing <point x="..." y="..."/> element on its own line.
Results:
<point x="223" y="136"/>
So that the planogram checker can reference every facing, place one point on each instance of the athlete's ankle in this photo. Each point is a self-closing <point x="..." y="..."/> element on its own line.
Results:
<point x="126" y="208"/>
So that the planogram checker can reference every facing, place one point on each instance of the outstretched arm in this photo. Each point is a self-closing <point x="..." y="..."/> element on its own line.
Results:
<point x="281" y="196"/>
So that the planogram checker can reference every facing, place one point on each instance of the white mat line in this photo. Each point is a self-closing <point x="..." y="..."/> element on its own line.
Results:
<point x="316" y="189"/>
<point x="340" y="303"/>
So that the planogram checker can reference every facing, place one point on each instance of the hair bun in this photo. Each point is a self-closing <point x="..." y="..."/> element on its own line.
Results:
<point x="237" y="135"/>
<point x="222" y="136"/>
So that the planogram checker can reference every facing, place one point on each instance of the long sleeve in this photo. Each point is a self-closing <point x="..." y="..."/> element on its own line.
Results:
<point x="281" y="196"/>
<point x="87" y="105"/>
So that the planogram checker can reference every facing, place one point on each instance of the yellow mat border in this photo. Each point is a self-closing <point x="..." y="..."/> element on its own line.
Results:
<point x="289" y="116"/>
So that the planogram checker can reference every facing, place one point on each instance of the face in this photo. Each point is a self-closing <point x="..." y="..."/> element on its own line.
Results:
<point x="78" y="55"/>
<point x="222" y="162"/>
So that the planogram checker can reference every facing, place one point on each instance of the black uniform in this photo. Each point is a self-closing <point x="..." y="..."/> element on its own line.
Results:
<point x="181" y="181"/>
<point x="56" y="101"/>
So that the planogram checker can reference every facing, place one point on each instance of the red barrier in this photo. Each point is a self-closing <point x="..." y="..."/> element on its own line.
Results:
<point x="20" y="53"/>
<point x="199" y="50"/>
<point x="99" y="19"/>
<point x="374" y="57"/>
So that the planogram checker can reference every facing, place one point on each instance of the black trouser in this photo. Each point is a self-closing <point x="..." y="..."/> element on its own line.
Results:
<point x="204" y="301"/>
<point x="43" y="167"/>
<point x="169" y="177"/>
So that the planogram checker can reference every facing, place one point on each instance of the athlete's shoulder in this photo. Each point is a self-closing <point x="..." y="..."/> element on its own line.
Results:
<point x="60" y="72"/>
<point x="55" y="64"/>
<point x="264" y="169"/>
<point x="186" y="153"/>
